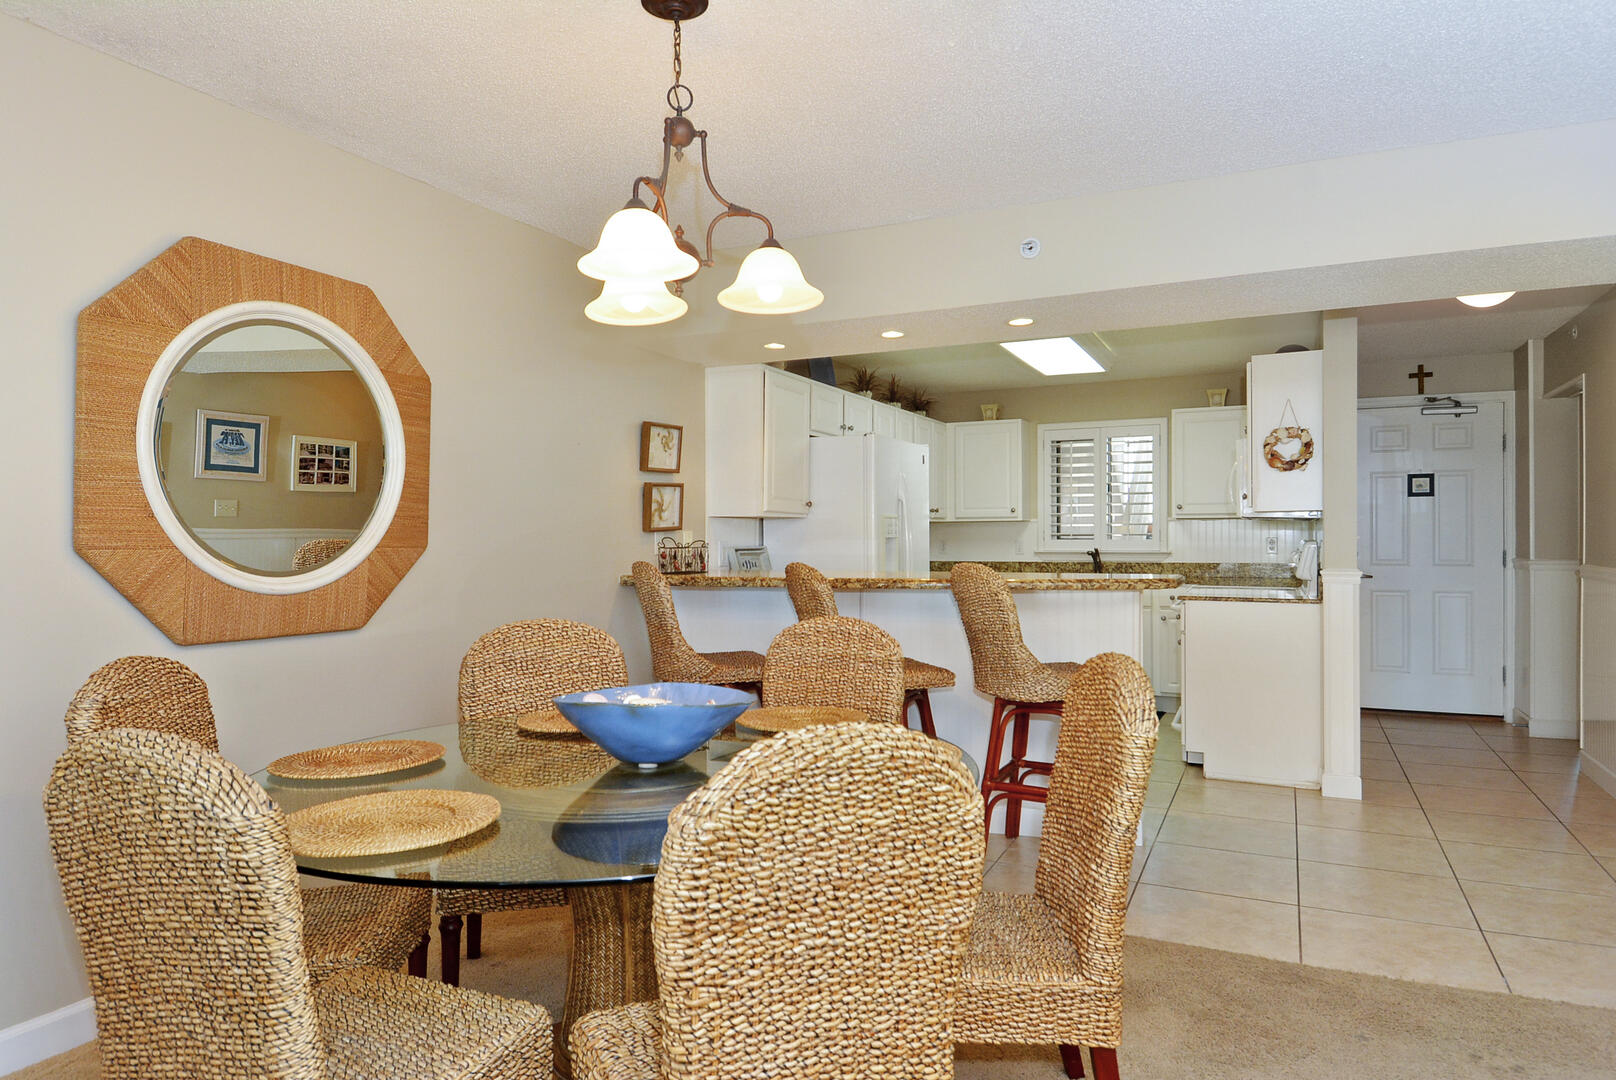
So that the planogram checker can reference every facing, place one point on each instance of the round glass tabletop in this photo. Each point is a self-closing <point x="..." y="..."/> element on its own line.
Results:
<point x="569" y="813"/>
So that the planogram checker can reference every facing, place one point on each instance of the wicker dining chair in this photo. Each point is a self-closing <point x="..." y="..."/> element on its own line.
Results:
<point x="343" y="925"/>
<point x="1046" y="967"/>
<point x="672" y="658"/>
<point x="806" y="928"/>
<point x="837" y="662"/>
<point x="813" y="597"/>
<point x="1021" y="686"/>
<point x="321" y="549"/>
<point x="179" y="877"/>
<point x="512" y="671"/>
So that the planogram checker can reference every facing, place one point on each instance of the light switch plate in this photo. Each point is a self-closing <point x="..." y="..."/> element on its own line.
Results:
<point x="224" y="507"/>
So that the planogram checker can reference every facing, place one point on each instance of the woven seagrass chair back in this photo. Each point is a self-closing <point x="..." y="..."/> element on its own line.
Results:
<point x="516" y="669"/>
<point x="179" y="877"/>
<point x="671" y="654"/>
<point x="812" y="908"/>
<point x="835" y="661"/>
<point x="810" y="591"/>
<point x="317" y="551"/>
<point x="1102" y="765"/>
<point x="151" y="692"/>
<point x="1000" y="661"/>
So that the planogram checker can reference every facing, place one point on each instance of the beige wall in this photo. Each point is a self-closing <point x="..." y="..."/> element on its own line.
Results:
<point x="1119" y="399"/>
<point x="1454" y="375"/>
<point x="1587" y="346"/>
<point x="333" y="404"/>
<point x="535" y="440"/>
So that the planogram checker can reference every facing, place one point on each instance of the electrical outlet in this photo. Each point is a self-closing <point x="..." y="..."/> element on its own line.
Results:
<point x="1021" y="546"/>
<point x="1271" y="545"/>
<point x="224" y="507"/>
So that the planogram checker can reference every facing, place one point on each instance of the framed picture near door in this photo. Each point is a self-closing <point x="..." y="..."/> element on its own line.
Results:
<point x="662" y="508"/>
<point x="661" y="446"/>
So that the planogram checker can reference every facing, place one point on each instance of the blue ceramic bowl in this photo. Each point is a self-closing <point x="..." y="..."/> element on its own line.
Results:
<point x="653" y="724"/>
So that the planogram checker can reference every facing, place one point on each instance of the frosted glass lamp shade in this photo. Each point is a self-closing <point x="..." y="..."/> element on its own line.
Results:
<point x="1486" y="299"/>
<point x="636" y="243"/>
<point x="635" y="302"/>
<point x="770" y="283"/>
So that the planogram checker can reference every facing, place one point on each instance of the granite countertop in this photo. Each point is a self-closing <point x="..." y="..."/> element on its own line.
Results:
<point x="939" y="581"/>
<point x="1252" y="596"/>
<point x="1265" y="576"/>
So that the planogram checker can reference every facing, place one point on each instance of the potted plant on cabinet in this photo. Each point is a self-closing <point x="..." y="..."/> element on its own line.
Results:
<point x="892" y="392"/>
<point x="918" y="401"/>
<point x="863" y="381"/>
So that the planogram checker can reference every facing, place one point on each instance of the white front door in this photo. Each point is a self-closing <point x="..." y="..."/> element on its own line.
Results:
<point x="1431" y="544"/>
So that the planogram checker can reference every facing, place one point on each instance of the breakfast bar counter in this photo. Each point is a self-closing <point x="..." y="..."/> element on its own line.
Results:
<point x="1064" y="616"/>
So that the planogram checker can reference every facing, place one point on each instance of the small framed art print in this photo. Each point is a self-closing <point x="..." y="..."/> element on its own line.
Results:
<point x="230" y="446"/>
<point x="661" y="446"/>
<point x="321" y="463"/>
<point x="662" y="508"/>
<point x="1422" y="485"/>
<point x="749" y="560"/>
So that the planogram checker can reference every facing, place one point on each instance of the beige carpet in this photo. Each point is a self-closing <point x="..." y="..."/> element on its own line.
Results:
<point x="1189" y="1013"/>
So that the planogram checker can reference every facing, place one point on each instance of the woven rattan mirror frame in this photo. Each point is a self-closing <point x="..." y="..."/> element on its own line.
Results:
<point x="122" y="336"/>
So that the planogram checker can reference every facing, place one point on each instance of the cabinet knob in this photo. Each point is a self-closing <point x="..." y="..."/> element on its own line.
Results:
<point x="809" y="503"/>
<point x="1180" y="506"/>
<point x="1012" y="509"/>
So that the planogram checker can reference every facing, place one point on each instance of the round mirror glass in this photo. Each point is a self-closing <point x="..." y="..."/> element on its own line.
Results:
<point x="269" y="448"/>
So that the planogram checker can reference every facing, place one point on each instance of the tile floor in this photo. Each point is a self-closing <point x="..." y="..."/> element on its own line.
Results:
<point x="1478" y="857"/>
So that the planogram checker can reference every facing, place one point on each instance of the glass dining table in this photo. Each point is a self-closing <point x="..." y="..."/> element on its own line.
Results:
<point x="570" y="816"/>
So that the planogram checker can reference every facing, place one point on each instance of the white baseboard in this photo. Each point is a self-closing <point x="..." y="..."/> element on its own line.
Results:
<point x="1336" y="786"/>
<point x="1543" y="727"/>
<point x="56" y="1032"/>
<point x="1596" y="772"/>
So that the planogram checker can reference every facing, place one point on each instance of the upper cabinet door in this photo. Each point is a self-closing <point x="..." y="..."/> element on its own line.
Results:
<point x="825" y="410"/>
<point x="939" y="472"/>
<point x="1204" y="460"/>
<point x="903" y="427"/>
<point x="986" y="459"/>
<point x="1287" y="441"/>
<point x="858" y="413"/>
<point x="787" y="405"/>
<point x="886" y="420"/>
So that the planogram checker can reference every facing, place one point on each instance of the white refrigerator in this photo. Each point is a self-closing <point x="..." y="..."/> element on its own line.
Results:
<point x="870" y="515"/>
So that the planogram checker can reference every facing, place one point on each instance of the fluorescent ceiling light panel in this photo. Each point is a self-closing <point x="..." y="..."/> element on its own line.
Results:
<point x="1053" y="356"/>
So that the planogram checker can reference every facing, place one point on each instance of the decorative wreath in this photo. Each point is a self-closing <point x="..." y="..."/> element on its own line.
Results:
<point x="1297" y="459"/>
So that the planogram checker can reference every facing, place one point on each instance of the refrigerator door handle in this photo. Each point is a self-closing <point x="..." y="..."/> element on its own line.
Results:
<point x="903" y="523"/>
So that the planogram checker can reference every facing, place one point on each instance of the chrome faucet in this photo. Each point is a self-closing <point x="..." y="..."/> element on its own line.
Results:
<point x="1094" y="553"/>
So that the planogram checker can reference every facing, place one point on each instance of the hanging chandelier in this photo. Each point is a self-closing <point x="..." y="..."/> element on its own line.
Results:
<point x="638" y="256"/>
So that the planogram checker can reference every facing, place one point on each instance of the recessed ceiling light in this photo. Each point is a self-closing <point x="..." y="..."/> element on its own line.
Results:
<point x="1485" y="299"/>
<point x="774" y="345"/>
<point x="1021" y="320"/>
<point x="1053" y="356"/>
<point x="892" y="333"/>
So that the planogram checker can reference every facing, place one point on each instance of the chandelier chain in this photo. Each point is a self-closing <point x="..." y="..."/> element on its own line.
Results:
<point x="679" y="96"/>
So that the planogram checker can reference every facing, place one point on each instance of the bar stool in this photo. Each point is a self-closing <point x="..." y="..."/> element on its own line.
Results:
<point x="838" y="663"/>
<point x="1022" y="686"/>
<point x="813" y="597"/>
<point x="672" y="658"/>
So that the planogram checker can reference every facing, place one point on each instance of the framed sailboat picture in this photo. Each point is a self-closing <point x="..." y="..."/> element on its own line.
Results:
<point x="230" y="446"/>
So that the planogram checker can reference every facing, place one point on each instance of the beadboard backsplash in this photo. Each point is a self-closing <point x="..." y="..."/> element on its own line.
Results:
<point x="1189" y="540"/>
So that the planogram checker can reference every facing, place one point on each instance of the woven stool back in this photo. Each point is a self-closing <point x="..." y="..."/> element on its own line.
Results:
<point x="517" y="668"/>
<point x="810" y="591"/>
<point x="151" y="692"/>
<point x="671" y="655"/>
<point x="812" y="908"/>
<point x="1001" y="663"/>
<point x="835" y="661"/>
<point x="177" y="872"/>
<point x="1096" y="794"/>
<point x="320" y="550"/>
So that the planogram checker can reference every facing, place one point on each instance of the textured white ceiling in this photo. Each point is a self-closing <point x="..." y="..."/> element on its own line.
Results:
<point x="845" y="113"/>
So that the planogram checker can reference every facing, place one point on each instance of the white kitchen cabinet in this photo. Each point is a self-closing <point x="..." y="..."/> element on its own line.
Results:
<point x="885" y="421"/>
<point x="858" y="413"/>
<point x="1205" y="459"/>
<point x="1285" y="390"/>
<point x="825" y="410"/>
<point x="758" y="423"/>
<point x="988" y="461"/>
<point x="937" y="441"/>
<point x="903" y="427"/>
<point x="1164" y="626"/>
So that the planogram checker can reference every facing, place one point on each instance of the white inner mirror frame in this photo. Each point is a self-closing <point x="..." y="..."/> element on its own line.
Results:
<point x="174" y="357"/>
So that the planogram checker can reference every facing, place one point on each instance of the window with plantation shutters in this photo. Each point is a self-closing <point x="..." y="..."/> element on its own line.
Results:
<point x="1102" y="485"/>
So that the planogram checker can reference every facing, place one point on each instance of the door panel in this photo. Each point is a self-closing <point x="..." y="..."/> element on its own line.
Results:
<point x="1433" y="615"/>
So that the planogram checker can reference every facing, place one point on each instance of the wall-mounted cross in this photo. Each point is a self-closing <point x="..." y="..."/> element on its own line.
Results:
<point x="1421" y="374"/>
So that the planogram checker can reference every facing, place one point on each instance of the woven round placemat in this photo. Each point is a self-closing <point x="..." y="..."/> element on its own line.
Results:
<point x="356" y="759"/>
<point x="791" y="717"/>
<point x="546" y="722"/>
<point x="387" y="821"/>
